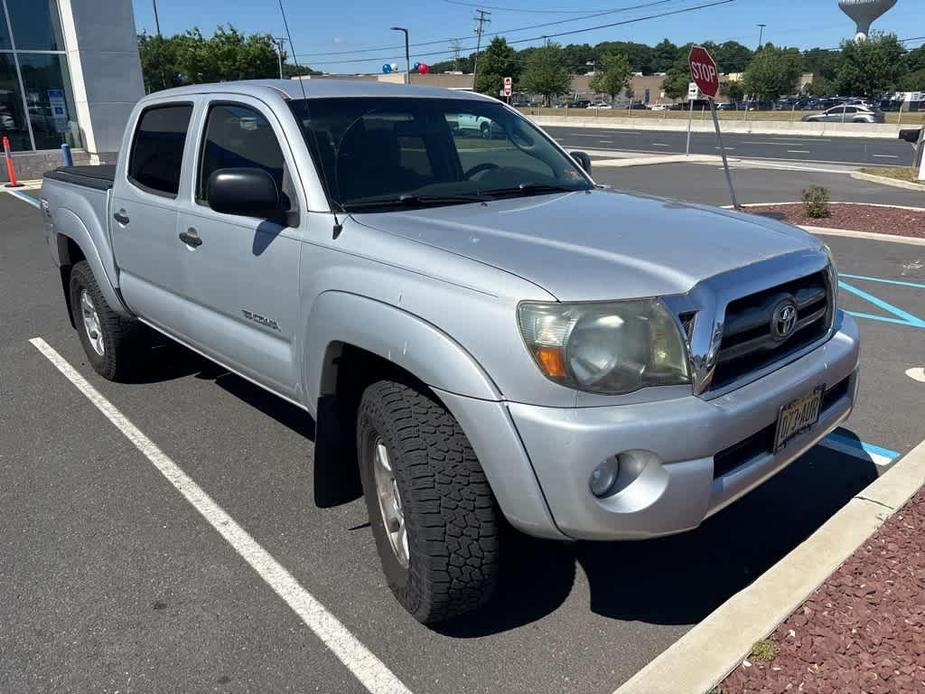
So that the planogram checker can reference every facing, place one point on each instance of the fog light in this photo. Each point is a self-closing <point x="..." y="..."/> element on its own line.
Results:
<point x="604" y="478"/>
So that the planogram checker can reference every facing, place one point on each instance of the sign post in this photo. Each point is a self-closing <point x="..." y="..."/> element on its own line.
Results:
<point x="706" y="77"/>
<point x="692" y="91"/>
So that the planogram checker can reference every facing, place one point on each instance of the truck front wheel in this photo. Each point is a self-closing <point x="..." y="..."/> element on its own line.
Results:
<point x="113" y="344"/>
<point x="431" y="509"/>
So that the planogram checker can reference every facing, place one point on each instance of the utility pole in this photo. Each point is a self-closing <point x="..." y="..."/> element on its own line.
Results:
<point x="456" y="47"/>
<point x="760" y="34"/>
<point x="157" y="22"/>
<point x="407" y="54"/>
<point x="278" y="40"/>
<point x="481" y="19"/>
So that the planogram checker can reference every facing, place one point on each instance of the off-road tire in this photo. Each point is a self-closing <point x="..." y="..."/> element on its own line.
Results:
<point x="450" y="514"/>
<point x="125" y="340"/>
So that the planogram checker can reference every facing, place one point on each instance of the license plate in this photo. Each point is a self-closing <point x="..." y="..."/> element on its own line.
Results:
<point x="796" y="417"/>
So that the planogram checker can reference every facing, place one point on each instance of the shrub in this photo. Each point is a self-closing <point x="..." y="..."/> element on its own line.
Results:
<point x="816" y="201"/>
<point x="763" y="651"/>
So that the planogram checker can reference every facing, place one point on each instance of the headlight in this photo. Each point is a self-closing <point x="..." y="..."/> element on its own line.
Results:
<point x="608" y="348"/>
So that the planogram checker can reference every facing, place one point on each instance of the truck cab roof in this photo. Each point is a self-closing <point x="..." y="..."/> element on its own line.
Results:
<point x="318" y="89"/>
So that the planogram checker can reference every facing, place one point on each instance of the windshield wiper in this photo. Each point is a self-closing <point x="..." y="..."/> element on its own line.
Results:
<point x="533" y="189"/>
<point x="417" y="201"/>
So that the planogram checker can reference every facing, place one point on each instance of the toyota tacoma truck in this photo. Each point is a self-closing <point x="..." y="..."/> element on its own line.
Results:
<point x="483" y="337"/>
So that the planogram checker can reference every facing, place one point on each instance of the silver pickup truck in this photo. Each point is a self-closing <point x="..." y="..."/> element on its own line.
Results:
<point x="483" y="337"/>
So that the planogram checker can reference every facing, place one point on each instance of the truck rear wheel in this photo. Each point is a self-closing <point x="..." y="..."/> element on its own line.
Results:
<point x="430" y="506"/>
<point x="113" y="344"/>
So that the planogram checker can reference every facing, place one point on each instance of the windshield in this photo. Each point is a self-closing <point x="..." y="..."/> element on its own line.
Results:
<point x="391" y="152"/>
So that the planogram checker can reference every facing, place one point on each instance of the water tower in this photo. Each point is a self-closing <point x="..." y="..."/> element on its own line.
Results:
<point x="863" y="12"/>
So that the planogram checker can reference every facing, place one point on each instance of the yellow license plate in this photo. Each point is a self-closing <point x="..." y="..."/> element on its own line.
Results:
<point x="796" y="417"/>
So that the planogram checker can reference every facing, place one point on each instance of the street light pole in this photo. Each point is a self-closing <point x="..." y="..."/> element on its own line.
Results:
<point x="760" y="34"/>
<point x="279" y="54"/>
<point x="157" y="22"/>
<point x="407" y="54"/>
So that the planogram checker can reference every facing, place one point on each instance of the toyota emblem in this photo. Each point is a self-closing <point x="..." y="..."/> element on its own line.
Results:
<point x="783" y="320"/>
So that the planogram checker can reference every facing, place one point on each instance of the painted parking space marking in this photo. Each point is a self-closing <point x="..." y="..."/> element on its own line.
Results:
<point x="916" y="373"/>
<point x="899" y="315"/>
<point x="25" y="197"/>
<point x="366" y="667"/>
<point x="841" y="441"/>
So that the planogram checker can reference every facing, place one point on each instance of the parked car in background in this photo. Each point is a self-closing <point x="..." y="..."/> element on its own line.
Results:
<point x="600" y="106"/>
<point x="847" y="114"/>
<point x="660" y="107"/>
<point x="727" y="106"/>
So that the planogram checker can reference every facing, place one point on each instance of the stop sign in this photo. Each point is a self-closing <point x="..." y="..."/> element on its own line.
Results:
<point x="703" y="71"/>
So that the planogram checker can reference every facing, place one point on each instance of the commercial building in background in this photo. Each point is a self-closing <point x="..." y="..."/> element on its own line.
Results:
<point x="69" y="72"/>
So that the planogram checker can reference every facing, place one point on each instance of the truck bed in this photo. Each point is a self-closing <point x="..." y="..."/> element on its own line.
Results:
<point x="98" y="177"/>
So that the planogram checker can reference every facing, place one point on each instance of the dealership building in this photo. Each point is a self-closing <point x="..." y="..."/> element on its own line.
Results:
<point x="69" y="72"/>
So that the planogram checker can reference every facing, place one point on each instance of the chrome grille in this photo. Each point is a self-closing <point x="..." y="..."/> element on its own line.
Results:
<point x="750" y="341"/>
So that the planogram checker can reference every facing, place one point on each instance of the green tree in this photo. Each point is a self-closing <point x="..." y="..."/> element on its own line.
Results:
<point x="545" y="72"/>
<point x="612" y="75"/>
<point x="773" y="72"/>
<point x="191" y="58"/>
<point x="732" y="56"/>
<point x="639" y="55"/>
<point x="664" y="56"/>
<point x="870" y="68"/>
<point x="913" y="81"/>
<point x="821" y="62"/>
<point x="675" y="84"/>
<point x="577" y="56"/>
<point x="160" y="67"/>
<point x="496" y="62"/>
<point x="732" y="90"/>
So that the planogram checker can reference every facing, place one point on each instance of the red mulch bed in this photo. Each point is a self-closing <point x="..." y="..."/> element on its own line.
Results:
<point x="863" y="630"/>
<point x="882" y="220"/>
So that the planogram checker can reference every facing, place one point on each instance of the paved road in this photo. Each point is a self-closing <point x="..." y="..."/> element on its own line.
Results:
<point x="111" y="581"/>
<point x="828" y="150"/>
<point x="706" y="183"/>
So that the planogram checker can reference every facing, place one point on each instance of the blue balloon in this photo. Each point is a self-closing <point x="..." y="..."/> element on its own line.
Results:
<point x="386" y="68"/>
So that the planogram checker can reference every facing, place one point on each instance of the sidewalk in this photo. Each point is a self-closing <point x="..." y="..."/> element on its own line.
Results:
<point x="863" y="630"/>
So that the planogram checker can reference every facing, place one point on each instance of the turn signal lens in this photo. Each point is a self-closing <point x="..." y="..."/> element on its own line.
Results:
<point x="550" y="361"/>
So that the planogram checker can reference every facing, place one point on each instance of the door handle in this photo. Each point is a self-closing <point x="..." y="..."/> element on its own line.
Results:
<point x="121" y="217"/>
<point x="190" y="238"/>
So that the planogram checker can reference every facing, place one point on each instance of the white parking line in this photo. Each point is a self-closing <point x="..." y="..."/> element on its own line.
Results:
<point x="660" y="144"/>
<point x="887" y="156"/>
<point x="798" y="151"/>
<point x="365" y="666"/>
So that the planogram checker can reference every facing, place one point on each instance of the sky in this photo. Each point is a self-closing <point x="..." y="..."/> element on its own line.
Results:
<point x="329" y="33"/>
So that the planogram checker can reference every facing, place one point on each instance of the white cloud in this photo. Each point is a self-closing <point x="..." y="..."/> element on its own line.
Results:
<point x="340" y="39"/>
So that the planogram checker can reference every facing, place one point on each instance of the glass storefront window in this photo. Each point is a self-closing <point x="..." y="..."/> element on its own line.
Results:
<point x="12" y="121"/>
<point x="5" y="43"/>
<point x="48" y="98"/>
<point x="36" y="25"/>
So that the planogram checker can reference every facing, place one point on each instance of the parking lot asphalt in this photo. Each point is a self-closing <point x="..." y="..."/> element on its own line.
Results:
<point x="112" y="581"/>
<point x="706" y="183"/>
<point x="787" y="148"/>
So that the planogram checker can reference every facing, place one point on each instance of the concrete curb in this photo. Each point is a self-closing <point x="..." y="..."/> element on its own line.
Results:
<point x="712" y="648"/>
<point x="873" y="130"/>
<point x="887" y="181"/>
<point x="889" y="238"/>
<point x="656" y="159"/>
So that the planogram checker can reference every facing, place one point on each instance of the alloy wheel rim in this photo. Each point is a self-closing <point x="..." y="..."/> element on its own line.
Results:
<point x="91" y="321"/>
<point x="390" y="506"/>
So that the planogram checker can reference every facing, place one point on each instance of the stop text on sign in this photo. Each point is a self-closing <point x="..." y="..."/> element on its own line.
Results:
<point x="703" y="71"/>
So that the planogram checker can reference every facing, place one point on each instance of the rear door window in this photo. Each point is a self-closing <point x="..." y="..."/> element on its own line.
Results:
<point x="157" y="148"/>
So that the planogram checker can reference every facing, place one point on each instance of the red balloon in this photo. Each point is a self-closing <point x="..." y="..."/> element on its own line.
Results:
<point x="423" y="69"/>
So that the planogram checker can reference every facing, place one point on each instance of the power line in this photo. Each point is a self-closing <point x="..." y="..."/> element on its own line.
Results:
<point x="571" y="32"/>
<point x="517" y="9"/>
<point x="500" y="32"/>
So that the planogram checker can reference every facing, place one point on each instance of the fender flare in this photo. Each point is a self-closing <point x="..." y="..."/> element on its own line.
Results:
<point x="415" y="345"/>
<point x="69" y="225"/>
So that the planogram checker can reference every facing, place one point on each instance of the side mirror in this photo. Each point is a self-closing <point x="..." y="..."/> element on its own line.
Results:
<point x="584" y="161"/>
<point x="249" y="192"/>
<point x="910" y="134"/>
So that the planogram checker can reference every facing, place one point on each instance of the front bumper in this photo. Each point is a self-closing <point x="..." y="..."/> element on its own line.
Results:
<point x="669" y="447"/>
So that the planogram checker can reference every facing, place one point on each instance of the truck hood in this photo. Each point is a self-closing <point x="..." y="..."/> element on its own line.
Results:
<point x="599" y="244"/>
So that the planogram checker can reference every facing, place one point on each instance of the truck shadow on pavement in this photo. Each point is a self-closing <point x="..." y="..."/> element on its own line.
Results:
<point x="676" y="580"/>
